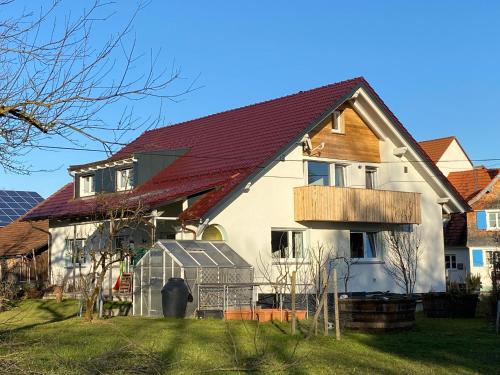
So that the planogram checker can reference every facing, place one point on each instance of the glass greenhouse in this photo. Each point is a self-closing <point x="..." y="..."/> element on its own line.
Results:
<point x="219" y="278"/>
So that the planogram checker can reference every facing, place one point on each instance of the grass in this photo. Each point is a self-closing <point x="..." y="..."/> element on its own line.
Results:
<point x="46" y="337"/>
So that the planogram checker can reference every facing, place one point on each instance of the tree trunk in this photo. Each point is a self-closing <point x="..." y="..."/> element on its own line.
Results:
<point x="89" y="312"/>
<point x="90" y="303"/>
<point x="59" y="293"/>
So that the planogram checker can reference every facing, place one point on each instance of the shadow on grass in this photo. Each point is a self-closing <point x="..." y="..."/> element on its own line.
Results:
<point x="34" y="309"/>
<point x="448" y="343"/>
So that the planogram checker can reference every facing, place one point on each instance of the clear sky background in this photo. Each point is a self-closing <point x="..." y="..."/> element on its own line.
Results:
<point x="436" y="64"/>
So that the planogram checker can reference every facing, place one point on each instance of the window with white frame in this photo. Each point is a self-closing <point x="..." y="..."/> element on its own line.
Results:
<point x="338" y="122"/>
<point x="371" y="177"/>
<point x="87" y="185"/>
<point x="493" y="219"/>
<point x="364" y="245"/>
<point x="75" y="253"/>
<point x="124" y="179"/>
<point x="325" y="173"/>
<point x="450" y="261"/>
<point x="340" y="175"/>
<point x="318" y="173"/>
<point x="490" y="256"/>
<point x="287" y="244"/>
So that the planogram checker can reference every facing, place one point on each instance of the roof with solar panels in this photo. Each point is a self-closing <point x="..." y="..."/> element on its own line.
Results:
<point x="14" y="204"/>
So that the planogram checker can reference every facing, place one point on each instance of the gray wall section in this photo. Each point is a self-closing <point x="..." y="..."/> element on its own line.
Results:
<point x="150" y="163"/>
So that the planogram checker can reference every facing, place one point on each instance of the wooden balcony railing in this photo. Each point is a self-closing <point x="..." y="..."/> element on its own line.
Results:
<point x="329" y="203"/>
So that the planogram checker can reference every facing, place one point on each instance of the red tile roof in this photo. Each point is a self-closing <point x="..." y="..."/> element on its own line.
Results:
<point x="22" y="237"/>
<point x="225" y="149"/>
<point x="435" y="148"/>
<point x="469" y="183"/>
<point x="455" y="232"/>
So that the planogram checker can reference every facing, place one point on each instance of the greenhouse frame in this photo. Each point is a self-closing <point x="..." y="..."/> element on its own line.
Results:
<point x="219" y="278"/>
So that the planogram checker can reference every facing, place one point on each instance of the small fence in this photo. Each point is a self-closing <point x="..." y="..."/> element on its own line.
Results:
<point x="26" y="269"/>
<point x="222" y="297"/>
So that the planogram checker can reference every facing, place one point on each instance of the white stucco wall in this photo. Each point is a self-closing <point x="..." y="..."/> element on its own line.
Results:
<point x="248" y="217"/>
<point x="454" y="160"/>
<point x="62" y="231"/>
<point x="462" y="256"/>
<point x="485" y="270"/>
<point x="268" y="204"/>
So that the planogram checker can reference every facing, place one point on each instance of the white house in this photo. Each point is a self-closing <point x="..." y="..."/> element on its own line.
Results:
<point x="472" y="238"/>
<point x="448" y="154"/>
<point x="329" y="167"/>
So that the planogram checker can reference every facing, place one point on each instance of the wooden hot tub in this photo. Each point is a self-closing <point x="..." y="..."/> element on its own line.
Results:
<point x="378" y="312"/>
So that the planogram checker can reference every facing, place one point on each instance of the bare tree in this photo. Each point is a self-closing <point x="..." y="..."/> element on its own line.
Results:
<point x="309" y="272"/>
<point x="402" y="256"/>
<point x="56" y="80"/>
<point x="115" y="219"/>
<point x="346" y="270"/>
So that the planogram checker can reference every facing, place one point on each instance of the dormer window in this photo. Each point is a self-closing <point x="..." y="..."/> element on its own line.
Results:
<point x="124" y="179"/>
<point x="338" y="122"/>
<point x="87" y="185"/>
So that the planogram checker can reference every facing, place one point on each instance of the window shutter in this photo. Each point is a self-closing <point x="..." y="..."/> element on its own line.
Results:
<point x="477" y="258"/>
<point x="481" y="220"/>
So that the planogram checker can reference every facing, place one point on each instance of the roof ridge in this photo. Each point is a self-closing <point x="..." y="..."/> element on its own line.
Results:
<point x="355" y="79"/>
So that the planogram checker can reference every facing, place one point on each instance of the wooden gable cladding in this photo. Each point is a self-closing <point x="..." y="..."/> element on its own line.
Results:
<point x="357" y="143"/>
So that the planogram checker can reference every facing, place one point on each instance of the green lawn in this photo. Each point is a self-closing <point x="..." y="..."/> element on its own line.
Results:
<point x="45" y="337"/>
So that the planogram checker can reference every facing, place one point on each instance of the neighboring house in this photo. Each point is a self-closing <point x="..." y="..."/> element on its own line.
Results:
<point x="472" y="237"/>
<point x="24" y="255"/>
<point x="330" y="166"/>
<point x="14" y="204"/>
<point x="448" y="154"/>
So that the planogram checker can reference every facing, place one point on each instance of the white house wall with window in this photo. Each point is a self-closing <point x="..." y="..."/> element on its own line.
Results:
<point x="481" y="228"/>
<point x="260" y="222"/>
<point x="484" y="246"/>
<point x="356" y="157"/>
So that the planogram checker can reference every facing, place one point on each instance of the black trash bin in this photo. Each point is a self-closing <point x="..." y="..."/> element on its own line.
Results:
<point x="174" y="297"/>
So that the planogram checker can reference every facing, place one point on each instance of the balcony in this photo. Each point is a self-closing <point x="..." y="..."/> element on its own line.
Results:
<point x="329" y="203"/>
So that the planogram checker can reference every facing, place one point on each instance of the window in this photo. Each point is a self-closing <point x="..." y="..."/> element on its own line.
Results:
<point x="363" y="244"/>
<point x="340" y="175"/>
<point x="490" y="256"/>
<point x="124" y="179"/>
<point x="75" y="253"/>
<point x="287" y="244"/>
<point x="87" y="185"/>
<point x="212" y="233"/>
<point x="123" y="242"/>
<point x="450" y="261"/>
<point x="337" y="122"/>
<point x="493" y="219"/>
<point x="318" y="173"/>
<point x="371" y="174"/>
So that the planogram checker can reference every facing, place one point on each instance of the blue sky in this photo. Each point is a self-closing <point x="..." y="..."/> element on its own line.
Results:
<point x="436" y="64"/>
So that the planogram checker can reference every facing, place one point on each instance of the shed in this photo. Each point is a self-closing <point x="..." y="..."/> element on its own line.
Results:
<point x="218" y="277"/>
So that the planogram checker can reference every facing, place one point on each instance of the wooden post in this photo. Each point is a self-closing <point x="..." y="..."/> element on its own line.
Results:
<point x="294" y="315"/>
<point x="498" y="317"/>
<point x="336" y="304"/>
<point x="34" y="265"/>
<point x="325" y="302"/>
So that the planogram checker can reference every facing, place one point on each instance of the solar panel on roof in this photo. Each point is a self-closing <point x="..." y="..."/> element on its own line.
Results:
<point x="14" y="204"/>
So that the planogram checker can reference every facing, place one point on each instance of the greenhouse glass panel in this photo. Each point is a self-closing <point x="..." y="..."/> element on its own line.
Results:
<point x="214" y="282"/>
<point x="232" y="255"/>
